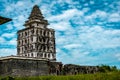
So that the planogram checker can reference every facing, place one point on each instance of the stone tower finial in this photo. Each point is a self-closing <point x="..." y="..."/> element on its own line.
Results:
<point x="36" y="16"/>
<point x="36" y="13"/>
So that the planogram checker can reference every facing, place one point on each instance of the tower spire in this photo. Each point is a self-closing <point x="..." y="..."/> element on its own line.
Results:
<point x="36" y="17"/>
<point x="36" y="13"/>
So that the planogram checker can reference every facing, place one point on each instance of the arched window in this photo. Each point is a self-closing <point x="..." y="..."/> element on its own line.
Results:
<point x="22" y="42"/>
<point x="44" y="33"/>
<point x="45" y="55"/>
<point x="31" y="54"/>
<point x="25" y="41"/>
<point x="32" y="31"/>
<point x="28" y="55"/>
<point x="41" y="55"/>
<point x="19" y="36"/>
<point x="37" y="31"/>
<point x="40" y="32"/>
<point x="25" y="33"/>
<point x="25" y="54"/>
<point x="43" y="47"/>
<point x="37" y="24"/>
<point x="37" y="54"/>
<point x="53" y="56"/>
<point x="48" y="55"/>
<point x="38" y="38"/>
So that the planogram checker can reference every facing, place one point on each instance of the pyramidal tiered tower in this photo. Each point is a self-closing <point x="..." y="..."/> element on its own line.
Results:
<point x="36" y="40"/>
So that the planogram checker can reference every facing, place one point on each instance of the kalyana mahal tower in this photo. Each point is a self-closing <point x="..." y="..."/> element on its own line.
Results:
<point x="36" y="40"/>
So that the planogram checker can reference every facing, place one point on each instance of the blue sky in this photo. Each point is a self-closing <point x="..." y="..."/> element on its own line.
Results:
<point x="87" y="31"/>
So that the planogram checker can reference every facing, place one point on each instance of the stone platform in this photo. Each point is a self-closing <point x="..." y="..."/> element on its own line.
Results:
<point x="24" y="66"/>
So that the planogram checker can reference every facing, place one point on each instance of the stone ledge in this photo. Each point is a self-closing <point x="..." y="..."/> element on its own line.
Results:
<point x="21" y="57"/>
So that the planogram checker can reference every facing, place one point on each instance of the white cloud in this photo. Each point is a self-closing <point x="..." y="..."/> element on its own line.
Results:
<point x="92" y="2"/>
<point x="75" y="57"/>
<point x="8" y="8"/>
<point x="8" y="35"/>
<point x="19" y="4"/>
<point x="118" y="56"/>
<point x="97" y="14"/>
<point x="85" y="9"/>
<point x="9" y="27"/>
<point x="97" y="37"/>
<point x="7" y="51"/>
<point x="115" y="17"/>
<point x="13" y="7"/>
<point x="71" y="46"/>
<point x="102" y="15"/>
<point x="66" y="15"/>
<point x="64" y="57"/>
<point x="19" y="21"/>
<point x="2" y="40"/>
<point x="12" y="42"/>
<point x="86" y="4"/>
<point x="88" y="40"/>
<point x="60" y="26"/>
<point x="5" y="42"/>
<point x="105" y="3"/>
<point x="91" y="37"/>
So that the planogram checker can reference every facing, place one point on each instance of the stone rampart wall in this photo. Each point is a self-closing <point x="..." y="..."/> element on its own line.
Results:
<point x="71" y="69"/>
<point x="14" y="66"/>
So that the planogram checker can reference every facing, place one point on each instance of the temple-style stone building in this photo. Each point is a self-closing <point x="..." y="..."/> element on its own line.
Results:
<point x="36" y="53"/>
<point x="36" y="40"/>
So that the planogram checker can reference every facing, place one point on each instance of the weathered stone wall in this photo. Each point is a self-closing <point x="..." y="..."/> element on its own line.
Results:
<point x="55" y="68"/>
<point x="23" y="67"/>
<point x="71" y="69"/>
<point x="35" y="67"/>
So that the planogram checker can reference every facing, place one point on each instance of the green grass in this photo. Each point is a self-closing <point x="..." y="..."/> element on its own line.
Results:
<point x="97" y="76"/>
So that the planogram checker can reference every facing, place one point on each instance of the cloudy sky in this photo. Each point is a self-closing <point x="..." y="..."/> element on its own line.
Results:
<point x="87" y="31"/>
